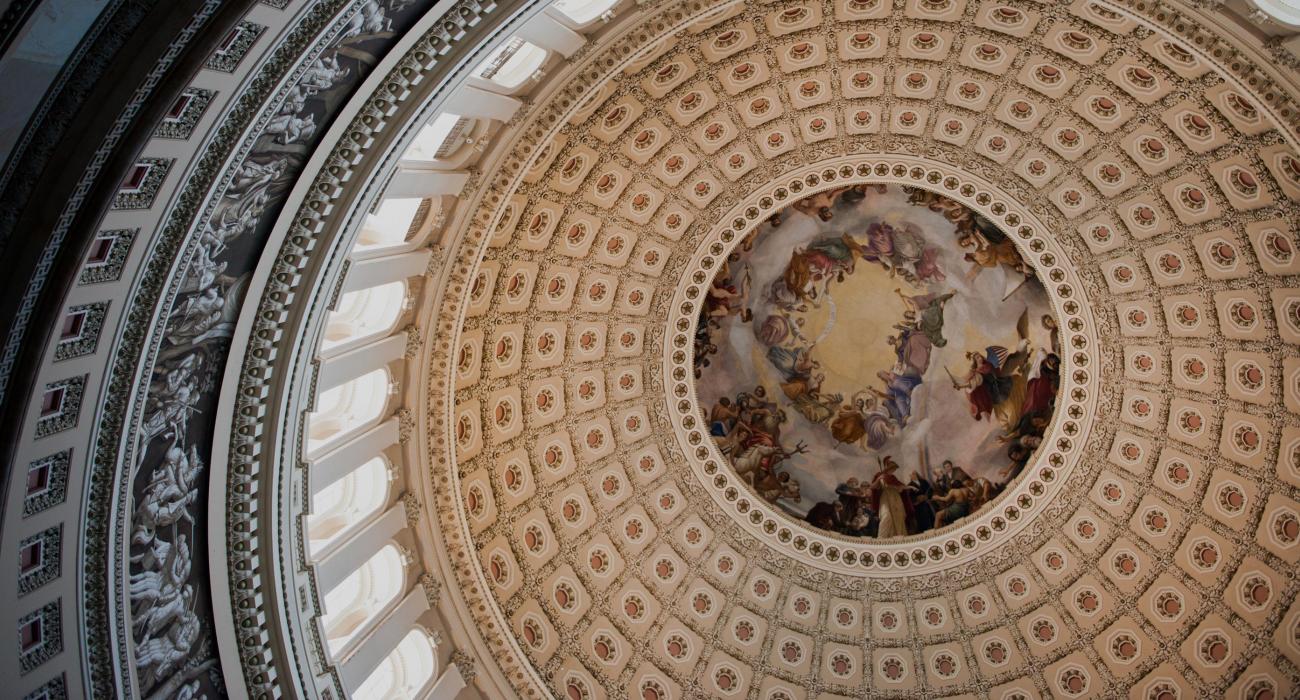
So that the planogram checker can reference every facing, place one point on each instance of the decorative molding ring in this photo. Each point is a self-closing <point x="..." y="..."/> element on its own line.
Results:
<point x="926" y="553"/>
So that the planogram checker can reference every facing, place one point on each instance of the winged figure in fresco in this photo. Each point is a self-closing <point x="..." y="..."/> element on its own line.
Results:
<point x="987" y="247"/>
<point x="997" y="377"/>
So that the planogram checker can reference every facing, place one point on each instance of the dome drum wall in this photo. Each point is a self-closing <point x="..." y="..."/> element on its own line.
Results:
<point x="581" y="533"/>
<point x="284" y="364"/>
<point x="305" y="53"/>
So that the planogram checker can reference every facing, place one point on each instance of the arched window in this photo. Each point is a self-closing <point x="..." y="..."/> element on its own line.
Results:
<point x="364" y="313"/>
<point x="348" y="504"/>
<point x="583" y="12"/>
<point x="1283" y="12"/>
<point x="402" y="674"/>
<point x="441" y="138"/>
<point x="347" y="407"/>
<point x="389" y="225"/>
<point x="512" y="64"/>
<point x="362" y="597"/>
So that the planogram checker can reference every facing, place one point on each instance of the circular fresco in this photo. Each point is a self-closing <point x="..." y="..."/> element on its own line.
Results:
<point x="877" y="360"/>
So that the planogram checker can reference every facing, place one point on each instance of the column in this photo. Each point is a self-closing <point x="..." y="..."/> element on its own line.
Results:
<point x="417" y="178"/>
<point x="340" y="563"/>
<point x="354" y="363"/>
<point x="383" y="640"/>
<point x="372" y="272"/>
<point x="448" y="686"/>
<point x="475" y="102"/>
<point x="547" y="32"/>
<point x="340" y="461"/>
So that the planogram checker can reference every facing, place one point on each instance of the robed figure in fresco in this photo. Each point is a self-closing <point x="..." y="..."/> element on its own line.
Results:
<point x="996" y="380"/>
<point x="863" y="423"/>
<point x="891" y="500"/>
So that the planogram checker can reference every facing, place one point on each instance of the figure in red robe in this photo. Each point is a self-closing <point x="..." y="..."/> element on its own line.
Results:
<point x="891" y="501"/>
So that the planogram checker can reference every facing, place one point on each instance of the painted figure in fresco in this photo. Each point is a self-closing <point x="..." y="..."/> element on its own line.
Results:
<point x="801" y="382"/>
<point x="776" y="487"/>
<point x="170" y="492"/>
<point x="950" y="475"/>
<point x="826" y="515"/>
<point x="1018" y="455"/>
<point x="856" y="194"/>
<point x="1040" y="391"/>
<point x="1054" y="332"/>
<point x="899" y="249"/>
<point x="761" y="459"/>
<point x="896" y="399"/>
<point x="996" y="385"/>
<point x="961" y="500"/>
<point x="921" y="489"/>
<point x="296" y="101"/>
<point x="988" y="248"/>
<point x="236" y="219"/>
<point x="159" y="657"/>
<point x="172" y="400"/>
<point x="189" y="691"/>
<point x="728" y="299"/>
<point x="209" y="314"/>
<point x="819" y="205"/>
<point x="324" y="73"/>
<point x="167" y="567"/>
<point x="952" y="210"/>
<point x="863" y="422"/>
<point x="291" y="128"/>
<point x="723" y="417"/>
<point x="826" y="258"/>
<point x="927" y="314"/>
<point x="774" y="329"/>
<point x="370" y="19"/>
<point x="781" y="296"/>
<point x="166" y="609"/>
<point x="256" y="177"/>
<point x="987" y="386"/>
<point x="921" y="331"/>
<point x="890" y="500"/>
<point x="996" y="380"/>
<point x="855" y="517"/>
<point x="204" y="270"/>
<point x="756" y="421"/>
<point x="755" y="402"/>
<point x="911" y="348"/>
